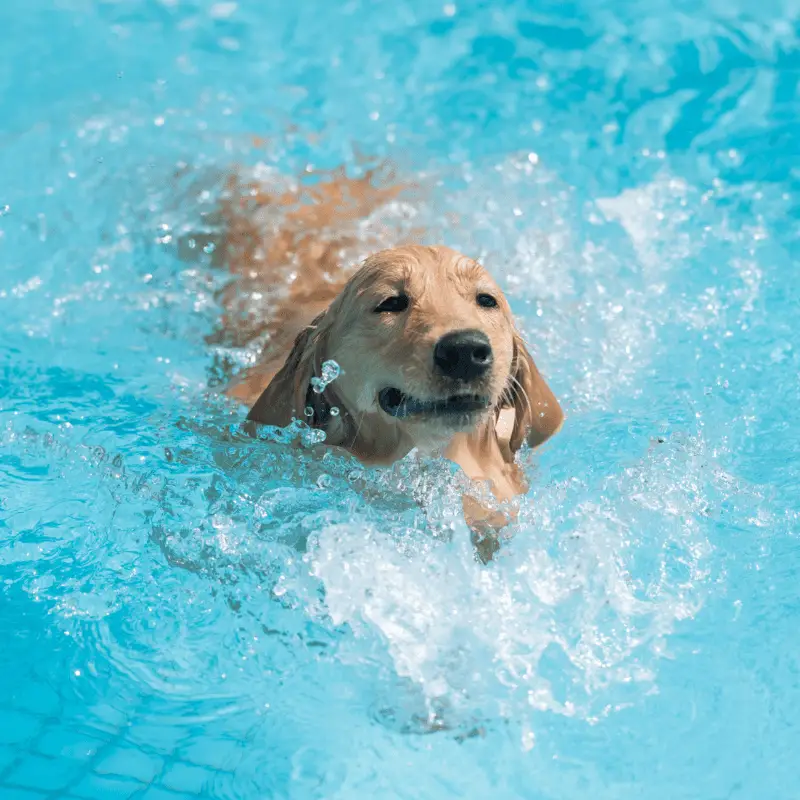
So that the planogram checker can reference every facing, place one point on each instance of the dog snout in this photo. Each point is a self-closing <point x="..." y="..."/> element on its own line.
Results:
<point x="463" y="355"/>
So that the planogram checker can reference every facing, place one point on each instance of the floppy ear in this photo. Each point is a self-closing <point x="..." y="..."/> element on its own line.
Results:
<point x="537" y="414"/>
<point x="290" y="394"/>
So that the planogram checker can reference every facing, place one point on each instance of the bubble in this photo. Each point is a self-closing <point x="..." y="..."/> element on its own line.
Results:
<point x="308" y="411"/>
<point x="312" y="436"/>
<point x="334" y="411"/>
<point x="330" y="372"/>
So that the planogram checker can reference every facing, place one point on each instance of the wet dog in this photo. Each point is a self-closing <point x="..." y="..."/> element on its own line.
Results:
<point x="425" y="346"/>
<point x="428" y="358"/>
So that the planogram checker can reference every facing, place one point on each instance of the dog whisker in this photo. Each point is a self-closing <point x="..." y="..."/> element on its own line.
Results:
<point x="358" y="427"/>
<point x="519" y="392"/>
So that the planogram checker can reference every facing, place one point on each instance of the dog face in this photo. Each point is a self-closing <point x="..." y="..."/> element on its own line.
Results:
<point x="425" y="340"/>
<point x="427" y="348"/>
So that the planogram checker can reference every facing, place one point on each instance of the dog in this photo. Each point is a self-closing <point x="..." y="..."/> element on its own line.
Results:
<point x="428" y="358"/>
<point x="425" y="342"/>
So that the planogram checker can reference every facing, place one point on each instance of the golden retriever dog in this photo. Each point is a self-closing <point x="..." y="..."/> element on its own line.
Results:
<point x="428" y="358"/>
<point x="427" y="351"/>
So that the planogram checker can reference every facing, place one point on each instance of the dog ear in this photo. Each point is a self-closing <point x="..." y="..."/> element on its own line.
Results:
<point x="537" y="413"/>
<point x="291" y="395"/>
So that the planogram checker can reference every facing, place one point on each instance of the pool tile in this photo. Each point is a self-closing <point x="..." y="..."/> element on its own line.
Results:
<point x="219" y="754"/>
<point x="189" y="779"/>
<point x="46" y="774"/>
<point x="7" y="756"/>
<point x="130" y="763"/>
<point x="98" y="787"/>
<point x="159" y="793"/>
<point x="9" y="793"/>
<point x="38" y="698"/>
<point x="165" y="738"/>
<point x="16" y="727"/>
<point x="105" y="717"/>
<point x="67" y="742"/>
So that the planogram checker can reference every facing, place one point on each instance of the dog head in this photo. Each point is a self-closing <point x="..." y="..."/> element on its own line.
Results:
<point x="426" y="348"/>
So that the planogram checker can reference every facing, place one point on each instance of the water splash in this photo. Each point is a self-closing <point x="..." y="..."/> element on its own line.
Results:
<point x="329" y="373"/>
<point x="644" y="248"/>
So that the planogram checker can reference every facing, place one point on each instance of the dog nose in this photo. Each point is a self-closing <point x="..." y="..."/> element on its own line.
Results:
<point x="463" y="355"/>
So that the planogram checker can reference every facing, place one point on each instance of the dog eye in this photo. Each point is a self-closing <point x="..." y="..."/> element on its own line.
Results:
<point x="393" y="304"/>
<point x="486" y="301"/>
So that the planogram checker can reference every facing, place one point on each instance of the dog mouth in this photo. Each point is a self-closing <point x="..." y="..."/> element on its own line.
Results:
<point x="399" y="405"/>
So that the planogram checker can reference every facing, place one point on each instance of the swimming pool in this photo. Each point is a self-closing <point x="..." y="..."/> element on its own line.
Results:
<point x="185" y="618"/>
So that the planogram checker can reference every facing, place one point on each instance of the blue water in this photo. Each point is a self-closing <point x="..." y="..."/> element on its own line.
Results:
<point x="185" y="613"/>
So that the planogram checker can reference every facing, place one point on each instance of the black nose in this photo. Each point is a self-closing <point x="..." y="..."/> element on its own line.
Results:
<point x="463" y="355"/>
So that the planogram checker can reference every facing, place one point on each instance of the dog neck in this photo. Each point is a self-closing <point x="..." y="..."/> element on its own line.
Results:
<point x="484" y="455"/>
<point x="371" y="440"/>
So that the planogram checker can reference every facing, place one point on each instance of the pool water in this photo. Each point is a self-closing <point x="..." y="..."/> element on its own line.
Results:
<point x="189" y="613"/>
